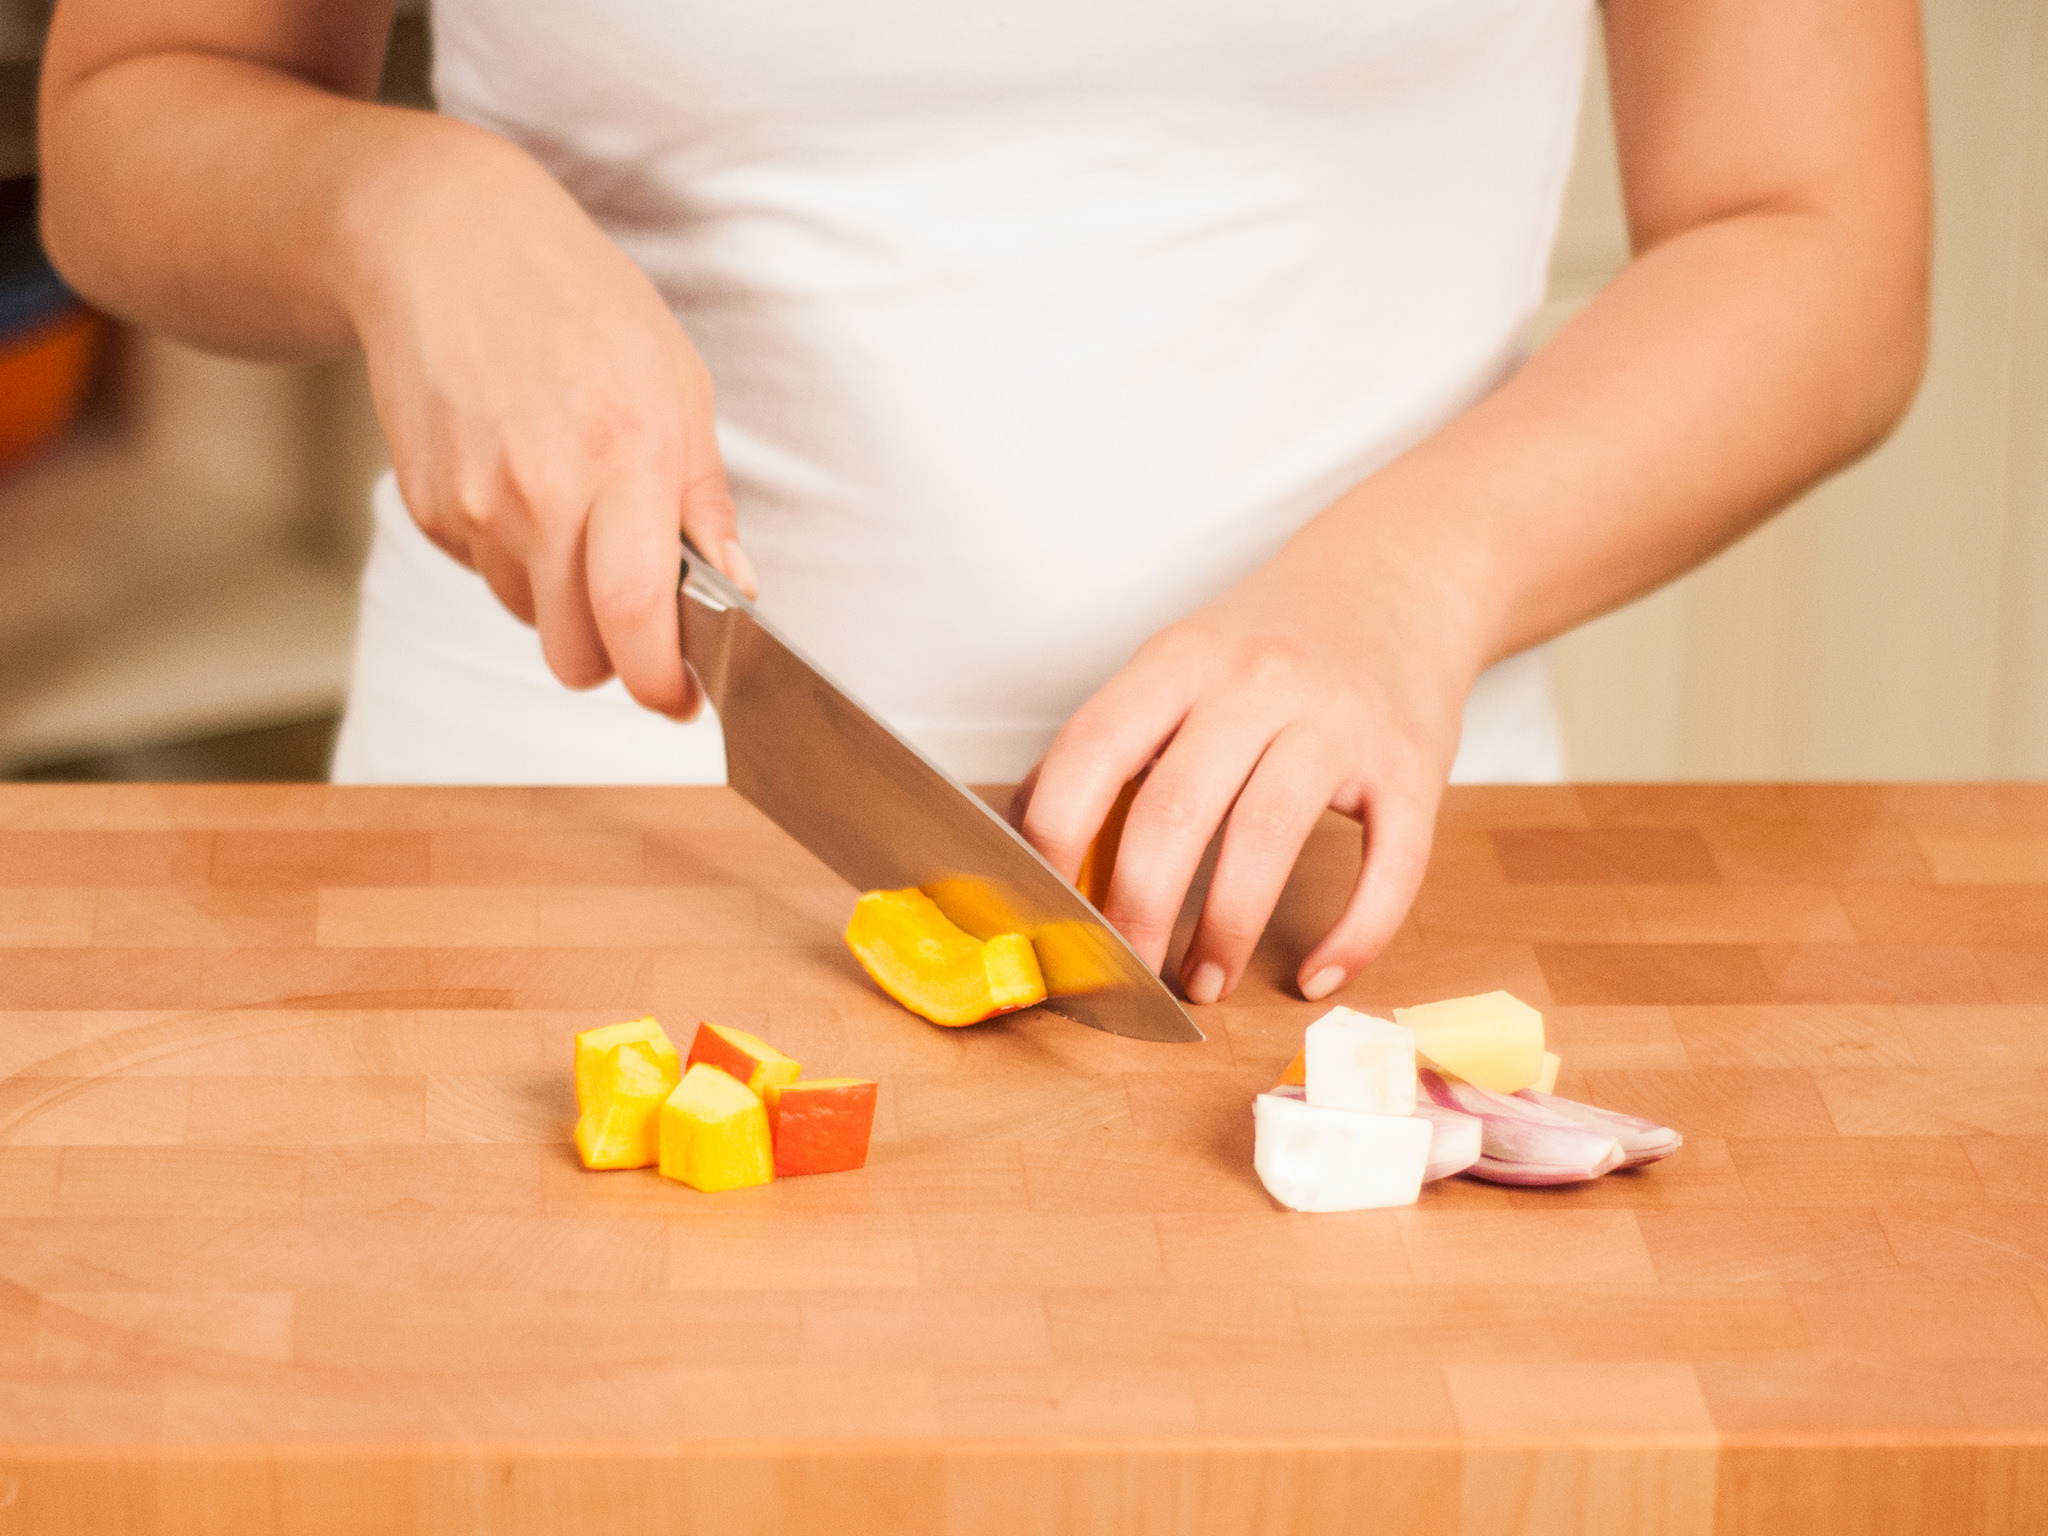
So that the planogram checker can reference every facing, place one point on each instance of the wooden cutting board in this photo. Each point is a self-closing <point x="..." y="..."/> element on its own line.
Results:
<point x="292" y="1239"/>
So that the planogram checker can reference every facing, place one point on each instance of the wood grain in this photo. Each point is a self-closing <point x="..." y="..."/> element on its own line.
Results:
<point x="292" y="1239"/>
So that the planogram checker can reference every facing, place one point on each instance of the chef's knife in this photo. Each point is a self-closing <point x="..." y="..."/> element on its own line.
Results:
<point x="884" y="816"/>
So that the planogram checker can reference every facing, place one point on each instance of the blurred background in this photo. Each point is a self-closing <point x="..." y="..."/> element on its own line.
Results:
<point x="179" y="534"/>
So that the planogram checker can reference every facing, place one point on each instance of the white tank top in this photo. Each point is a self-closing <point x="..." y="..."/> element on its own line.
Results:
<point x="1033" y="326"/>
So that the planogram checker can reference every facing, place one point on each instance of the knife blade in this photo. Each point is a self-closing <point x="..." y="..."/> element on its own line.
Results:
<point x="884" y="816"/>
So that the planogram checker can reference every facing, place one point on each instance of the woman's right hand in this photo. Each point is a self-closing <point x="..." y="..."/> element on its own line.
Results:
<point x="550" y="424"/>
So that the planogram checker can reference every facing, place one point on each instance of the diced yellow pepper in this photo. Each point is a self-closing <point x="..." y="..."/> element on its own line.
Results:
<point x="1494" y="1040"/>
<point x="749" y="1058"/>
<point x="623" y="1073"/>
<point x="714" y="1132"/>
<point x="592" y="1044"/>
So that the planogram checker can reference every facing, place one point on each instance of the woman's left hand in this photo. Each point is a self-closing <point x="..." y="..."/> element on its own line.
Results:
<point x="1296" y="690"/>
<point x="1770" y="327"/>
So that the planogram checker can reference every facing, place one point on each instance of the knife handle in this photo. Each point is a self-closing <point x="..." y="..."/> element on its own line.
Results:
<point x="709" y="609"/>
<point x="706" y="583"/>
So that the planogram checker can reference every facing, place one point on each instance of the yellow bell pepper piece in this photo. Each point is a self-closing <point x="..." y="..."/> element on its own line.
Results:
<point x="936" y="970"/>
<point x="592" y="1045"/>
<point x="623" y="1073"/>
<point x="749" y="1058"/>
<point x="714" y="1132"/>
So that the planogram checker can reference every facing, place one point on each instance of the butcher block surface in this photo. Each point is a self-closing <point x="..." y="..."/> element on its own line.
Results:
<point x="293" y="1238"/>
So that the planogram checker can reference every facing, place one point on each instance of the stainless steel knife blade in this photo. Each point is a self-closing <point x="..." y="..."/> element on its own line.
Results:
<point x="884" y="816"/>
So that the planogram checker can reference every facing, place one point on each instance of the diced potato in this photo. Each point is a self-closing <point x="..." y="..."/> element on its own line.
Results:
<point x="1494" y="1040"/>
<point x="1357" y="1062"/>
<point x="1546" y="1080"/>
<point x="714" y="1132"/>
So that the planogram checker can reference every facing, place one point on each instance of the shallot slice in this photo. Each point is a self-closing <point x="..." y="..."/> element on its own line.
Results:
<point x="1642" y="1141"/>
<point x="1522" y="1142"/>
<point x="1454" y="1140"/>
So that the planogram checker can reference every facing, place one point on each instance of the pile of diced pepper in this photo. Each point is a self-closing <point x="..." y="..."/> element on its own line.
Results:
<point x="735" y="1112"/>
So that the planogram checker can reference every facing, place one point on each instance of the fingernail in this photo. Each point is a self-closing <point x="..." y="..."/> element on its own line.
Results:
<point x="741" y="569"/>
<point x="1323" y="983"/>
<point x="1206" y="984"/>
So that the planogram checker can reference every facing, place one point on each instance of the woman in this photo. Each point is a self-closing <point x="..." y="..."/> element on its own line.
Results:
<point x="1099" y="386"/>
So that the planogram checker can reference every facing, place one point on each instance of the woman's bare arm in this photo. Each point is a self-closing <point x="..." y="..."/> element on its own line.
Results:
<point x="1770" y="327"/>
<point x="212" y="169"/>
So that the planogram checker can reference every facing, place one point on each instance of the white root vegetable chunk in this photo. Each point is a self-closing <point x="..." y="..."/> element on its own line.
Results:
<point x="1316" y="1159"/>
<point x="1454" y="1139"/>
<point x="1357" y="1062"/>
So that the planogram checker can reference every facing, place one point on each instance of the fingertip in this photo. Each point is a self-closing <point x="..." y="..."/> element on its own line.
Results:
<point x="1323" y="982"/>
<point x="741" y="570"/>
<point x="693" y="700"/>
<point x="1204" y="985"/>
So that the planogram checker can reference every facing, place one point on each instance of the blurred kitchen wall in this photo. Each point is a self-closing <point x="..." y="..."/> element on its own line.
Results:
<point x="177" y="577"/>
<point x="1893" y="623"/>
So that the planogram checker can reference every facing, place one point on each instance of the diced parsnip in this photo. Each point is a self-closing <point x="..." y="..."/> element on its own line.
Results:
<point x="1357" y="1062"/>
<point x="1494" y="1039"/>
<point x="1453" y="1138"/>
<point x="1315" y="1159"/>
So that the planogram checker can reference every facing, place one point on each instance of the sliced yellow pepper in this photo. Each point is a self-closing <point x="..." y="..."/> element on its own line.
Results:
<point x="936" y="970"/>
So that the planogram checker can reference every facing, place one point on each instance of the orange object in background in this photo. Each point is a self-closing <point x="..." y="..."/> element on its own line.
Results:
<point x="821" y="1125"/>
<point x="43" y="376"/>
<point x="748" y="1058"/>
<point x="1098" y="864"/>
<point x="935" y="969"/>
